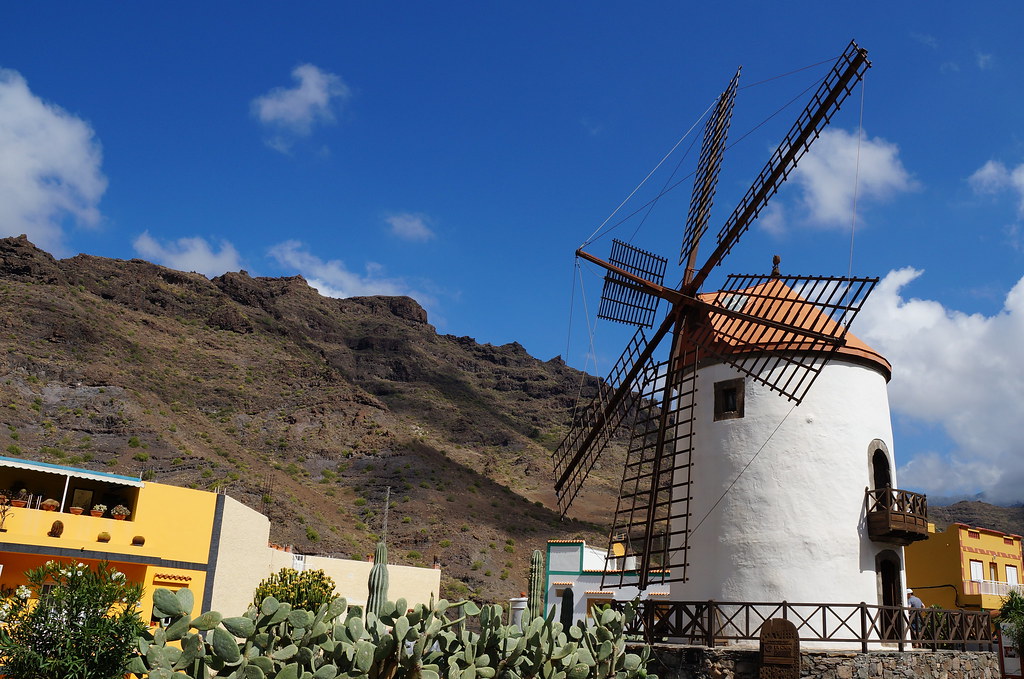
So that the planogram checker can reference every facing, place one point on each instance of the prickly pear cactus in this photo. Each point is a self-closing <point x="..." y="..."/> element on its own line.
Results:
<point x="536" y="596"/>
<point x="275" y="641"/>
<point x="378" y="582"/>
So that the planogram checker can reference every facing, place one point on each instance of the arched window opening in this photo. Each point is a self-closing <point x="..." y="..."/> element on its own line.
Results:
<point x="880" y="469"/>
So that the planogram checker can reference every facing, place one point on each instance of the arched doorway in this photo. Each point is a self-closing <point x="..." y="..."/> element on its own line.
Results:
<point x="890" y="586"/>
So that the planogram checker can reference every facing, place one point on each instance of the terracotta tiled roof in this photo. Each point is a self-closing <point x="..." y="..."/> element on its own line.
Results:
<point x="784" y="305"/>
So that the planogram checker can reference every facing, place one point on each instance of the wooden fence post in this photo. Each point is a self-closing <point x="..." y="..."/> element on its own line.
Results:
<point x="709" y="631"/>
<point x="863" y="627"/>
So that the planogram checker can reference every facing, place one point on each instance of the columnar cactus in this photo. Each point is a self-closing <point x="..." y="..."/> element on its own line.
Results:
<point x="378" y="582"/>
<point x="568" y="604"/>
<point x="536" y="595"/>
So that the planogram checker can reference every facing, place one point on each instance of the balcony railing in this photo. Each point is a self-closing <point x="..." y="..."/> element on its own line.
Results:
<point x="710" y="623"/>
<point x="897" y="516"/>
<point x="991" y="587"/>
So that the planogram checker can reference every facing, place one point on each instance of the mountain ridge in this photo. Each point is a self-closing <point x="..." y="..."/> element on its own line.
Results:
<point x="304" y="406"/>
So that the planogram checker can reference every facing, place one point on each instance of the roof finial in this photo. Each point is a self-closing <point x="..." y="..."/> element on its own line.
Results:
<point x="776" y="260"/>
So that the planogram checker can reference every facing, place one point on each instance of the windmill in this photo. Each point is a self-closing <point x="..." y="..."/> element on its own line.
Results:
<point x="779" y="331"/>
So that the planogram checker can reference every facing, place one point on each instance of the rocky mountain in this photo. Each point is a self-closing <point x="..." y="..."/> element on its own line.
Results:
<point x="979" y="514"/>
<point x="305" y="407"/>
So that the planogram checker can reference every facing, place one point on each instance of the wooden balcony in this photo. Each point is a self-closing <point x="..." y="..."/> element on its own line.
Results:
<point x="896" y="516"/>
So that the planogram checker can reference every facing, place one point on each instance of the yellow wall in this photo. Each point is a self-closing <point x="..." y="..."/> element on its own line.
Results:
<point x="938" y="569"/>
<point x="175" y="523"/>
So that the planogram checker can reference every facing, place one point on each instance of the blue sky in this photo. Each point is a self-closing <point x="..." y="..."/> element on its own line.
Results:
<point x="460" y="152"/>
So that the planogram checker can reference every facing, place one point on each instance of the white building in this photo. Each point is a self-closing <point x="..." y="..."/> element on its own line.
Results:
<point x="571" y="565"/>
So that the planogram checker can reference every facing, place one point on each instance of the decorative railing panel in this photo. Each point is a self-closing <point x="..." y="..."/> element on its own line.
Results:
<point x="708" y="623"/>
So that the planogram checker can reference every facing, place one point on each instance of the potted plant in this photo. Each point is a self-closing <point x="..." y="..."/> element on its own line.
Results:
<point x="76" y="510"/>
<point x="20" y="498"/>
<point x="49" y="505"/>
<point x="98" y="510"/>
<point x="120" y="512"/>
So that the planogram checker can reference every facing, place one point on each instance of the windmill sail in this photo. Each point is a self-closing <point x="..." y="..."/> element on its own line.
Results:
<point x="651" y="522"/>
<point x="846" y="73"/>
<point x="621" y="299"/>
<point x="708" y="166"/>
<point x="595" y="425"/>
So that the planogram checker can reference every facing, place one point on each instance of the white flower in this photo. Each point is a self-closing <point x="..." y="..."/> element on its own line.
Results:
<point x="23" y="592"/>
<point x="79" y="573"/>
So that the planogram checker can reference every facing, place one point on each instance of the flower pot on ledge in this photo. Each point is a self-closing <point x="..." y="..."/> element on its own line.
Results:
<point x="95" y="513"/>
<point x="76" y="510"/>
<point x="19" y="503"/>
<point x="120" y="517"/>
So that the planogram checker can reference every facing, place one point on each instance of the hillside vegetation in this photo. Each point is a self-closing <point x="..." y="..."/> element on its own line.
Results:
<point x="305" y="407"/>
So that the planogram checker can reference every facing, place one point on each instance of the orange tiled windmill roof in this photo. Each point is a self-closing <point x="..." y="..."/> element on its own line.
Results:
<point x="772" y="300"/>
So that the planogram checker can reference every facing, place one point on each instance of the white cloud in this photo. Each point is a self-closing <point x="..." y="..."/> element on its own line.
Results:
<point x="49" y="167"/>
<point x="189" y="254"/>
<point x="333" y="279"/>
<point x="293" y="112"/>
<point x="926" y="39"/>
<point x="960" y="372"/>
<point x="994" y="177"/>
<point x="409" y="226"/>
<point x="830" y="173"/>
<point x="984" y="61"/>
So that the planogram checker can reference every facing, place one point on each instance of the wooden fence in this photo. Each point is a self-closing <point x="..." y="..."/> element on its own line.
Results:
<point x="708" y="623"/>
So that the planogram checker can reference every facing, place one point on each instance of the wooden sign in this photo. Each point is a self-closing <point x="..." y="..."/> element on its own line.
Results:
<point x="780" y="650"/>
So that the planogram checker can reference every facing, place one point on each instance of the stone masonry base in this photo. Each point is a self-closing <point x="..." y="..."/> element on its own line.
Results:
<point x="698" y="662"/>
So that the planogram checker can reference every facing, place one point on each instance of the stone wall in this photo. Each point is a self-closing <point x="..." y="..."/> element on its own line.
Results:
<point x="698" y="662"/>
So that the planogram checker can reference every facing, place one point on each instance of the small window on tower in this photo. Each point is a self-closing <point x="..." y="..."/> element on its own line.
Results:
<point x="729" y="399"/>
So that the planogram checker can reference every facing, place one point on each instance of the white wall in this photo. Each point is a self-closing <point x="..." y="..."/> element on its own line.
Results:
<point x="792" y="526"/>
<point x="245" y="559"/>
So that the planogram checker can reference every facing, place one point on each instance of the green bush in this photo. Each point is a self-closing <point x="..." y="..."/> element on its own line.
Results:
<point x="83" y="627"/>
<point x="1011" y="619"/>
<point x="306" y="589"/>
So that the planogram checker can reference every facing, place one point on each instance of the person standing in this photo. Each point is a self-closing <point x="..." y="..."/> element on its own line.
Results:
<point x="916" y="614"/>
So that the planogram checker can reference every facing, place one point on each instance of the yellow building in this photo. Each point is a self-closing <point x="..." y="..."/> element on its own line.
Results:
<point x="174" y="537"/>
<point x="965" y="567"/>
<point x="164" y="542"/>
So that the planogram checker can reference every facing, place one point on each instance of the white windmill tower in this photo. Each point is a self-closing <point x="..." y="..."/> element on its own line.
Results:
<point x="741" y="483"/>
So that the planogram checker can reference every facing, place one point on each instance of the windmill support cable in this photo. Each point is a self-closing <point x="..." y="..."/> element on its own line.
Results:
<point x="856" y="173"/>
<point x="651" y="204"/>
<point x="661" y="162"/>
<point x="676" y="185"/>
<point x="747" y="465"/>
<point x="830" y="60"/>
<point x="590" y="335"/>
